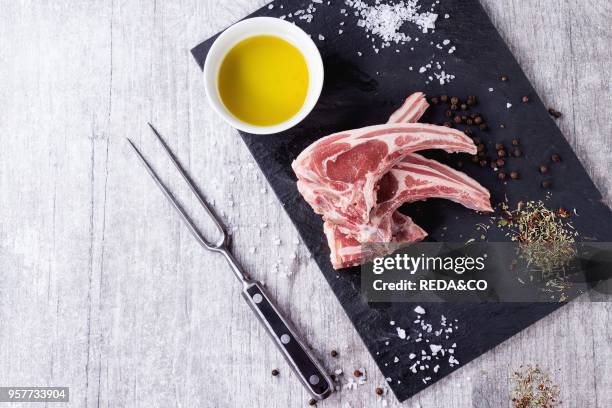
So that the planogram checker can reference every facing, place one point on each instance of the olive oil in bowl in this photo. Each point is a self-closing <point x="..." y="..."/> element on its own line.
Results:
<point x="263" y="80"/>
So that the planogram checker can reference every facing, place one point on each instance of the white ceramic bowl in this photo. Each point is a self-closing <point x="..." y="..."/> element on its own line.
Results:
<point x="263" y="26"/>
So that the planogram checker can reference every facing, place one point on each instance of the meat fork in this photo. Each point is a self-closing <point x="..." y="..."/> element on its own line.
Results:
<point x="300" y="358"/>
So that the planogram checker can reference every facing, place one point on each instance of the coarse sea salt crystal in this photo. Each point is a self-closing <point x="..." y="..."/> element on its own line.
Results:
<point x="401" y="333"/>
<point x="435" y="348"/>
<point x="321" y="37"/>
<point x="508" y="105"/>
<point x="419" y="310"/>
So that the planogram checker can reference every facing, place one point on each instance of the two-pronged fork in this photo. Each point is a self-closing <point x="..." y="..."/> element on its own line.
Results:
<point x="301" y="360"/>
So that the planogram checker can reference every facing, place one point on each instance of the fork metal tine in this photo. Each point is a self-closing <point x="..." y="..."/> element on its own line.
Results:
<point x="189" y="182"/>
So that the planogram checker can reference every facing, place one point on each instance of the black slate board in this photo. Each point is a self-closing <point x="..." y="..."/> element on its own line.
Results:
<point x="364" y="90"/>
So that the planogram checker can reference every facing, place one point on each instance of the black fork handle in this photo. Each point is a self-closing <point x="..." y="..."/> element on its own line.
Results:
<point x="299" y="357"/>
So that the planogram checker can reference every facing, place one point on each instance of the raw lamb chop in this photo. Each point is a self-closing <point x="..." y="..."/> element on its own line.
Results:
<point x="385" y="213"/>
<point x="414" y="179"/>
<point x="345" y="167"/>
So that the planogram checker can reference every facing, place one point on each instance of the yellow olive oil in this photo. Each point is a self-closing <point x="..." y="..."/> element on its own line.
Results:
<point x="263" y="80"/>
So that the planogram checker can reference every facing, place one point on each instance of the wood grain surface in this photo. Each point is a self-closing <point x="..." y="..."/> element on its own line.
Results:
<point x="103" y="290"/>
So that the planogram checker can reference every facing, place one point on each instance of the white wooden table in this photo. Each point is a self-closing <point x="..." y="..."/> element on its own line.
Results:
<point x="103" y="290"/>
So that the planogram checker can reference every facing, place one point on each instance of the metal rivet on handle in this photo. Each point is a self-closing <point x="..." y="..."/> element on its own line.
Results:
<point x="314" y="379"/>
<point x="285" y="338"/>
<point x="257" y="298"/>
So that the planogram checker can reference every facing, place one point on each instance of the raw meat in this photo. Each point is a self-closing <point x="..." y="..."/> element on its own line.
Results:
<point x="345" y="167"/>
<point x="412" y="179"/>
<point x="412" y="109"/>
<point x="346" y="251"/>
<point x="415" y="179"/>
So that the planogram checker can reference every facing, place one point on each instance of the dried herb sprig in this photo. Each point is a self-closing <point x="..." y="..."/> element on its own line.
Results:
<point x="534" y="388"/>
<point x="546" y="238"/>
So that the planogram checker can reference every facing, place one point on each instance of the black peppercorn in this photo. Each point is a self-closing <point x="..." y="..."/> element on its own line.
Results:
<point x="357" y="373"/>
<point x="454" y="100"/>
<point x="500" y="162"/>
<point x="475" y="159"/>
<point x="554" y="113"/>
<point x="501" y="153"/>
<point x="477" y="140"/>
<point x="435" y="101"/>
<point x="471" y="100"/>
<point x="504" y="78"/>
<point x="312" y="402"/>
<point x="525" y="99"/>
<point x="444" y="98"/>
<point x="480" y="147"/>
<point x="517" y="152"/>
<point x="334" y="353"/>
<point x="464" y="107"/>
<point x="469" y="122"/>
<point x="499" y="146"/>
<point x="478" y="120"/>
<point x="448" y="124"/>
<point x="547" y="184"/>
<point x="457" y="119"/>
<point x="468" y="132"/>
<point x="483" y="163"/>
<point x="449" y="114"/>
<point x="459" y="164"/>
<point x="501" y="175"/>
<point x="379" y="391"/>
<point x="275" y="372"/>
<point x="515" y="142"/>
<point x="556" y="158"/>
<point x="543" y="168"/>
<point x="514" y="175"/>
<point x="454" y="107"/>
